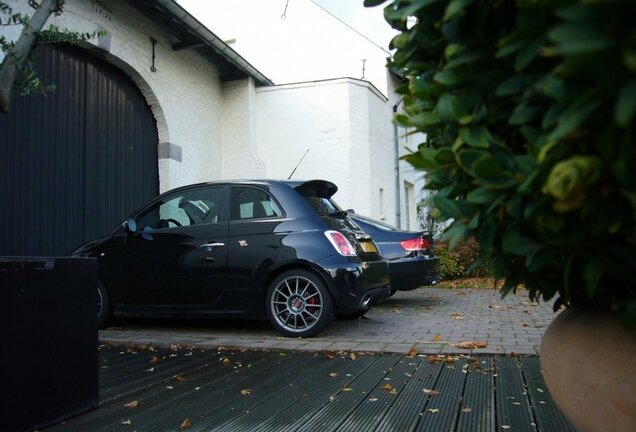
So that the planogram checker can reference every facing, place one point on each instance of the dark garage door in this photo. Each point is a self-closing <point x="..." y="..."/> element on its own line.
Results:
<point x="74" y="162"/>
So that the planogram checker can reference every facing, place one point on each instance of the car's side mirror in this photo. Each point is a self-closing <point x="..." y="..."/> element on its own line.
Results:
<point x="130" y="226"/>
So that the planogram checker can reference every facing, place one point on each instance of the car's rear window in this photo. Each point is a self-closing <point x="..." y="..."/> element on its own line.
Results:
<point x="376" y="223"/>
<point x="323" y="206"/>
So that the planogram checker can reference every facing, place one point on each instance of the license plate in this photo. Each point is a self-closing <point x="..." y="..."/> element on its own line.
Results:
<point x="368" y="247"/>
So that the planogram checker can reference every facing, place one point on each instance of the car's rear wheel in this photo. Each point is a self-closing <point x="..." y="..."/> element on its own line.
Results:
<point x="104" y="309"/>
<point x="299" y="304"/>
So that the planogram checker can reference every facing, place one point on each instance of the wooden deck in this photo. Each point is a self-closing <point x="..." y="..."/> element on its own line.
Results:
<point x="144" y="389"/>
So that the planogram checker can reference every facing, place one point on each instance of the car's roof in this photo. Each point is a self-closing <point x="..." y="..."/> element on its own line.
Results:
<point x="263" y="182"/>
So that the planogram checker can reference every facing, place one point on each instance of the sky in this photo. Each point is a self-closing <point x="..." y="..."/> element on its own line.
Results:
<point x="293" y="41"/>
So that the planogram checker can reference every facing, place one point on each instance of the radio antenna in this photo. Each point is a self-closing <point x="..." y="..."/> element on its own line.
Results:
<point x="301" y="159"/>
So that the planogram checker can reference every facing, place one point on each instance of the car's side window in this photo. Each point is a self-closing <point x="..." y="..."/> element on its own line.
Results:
<point x="198" y="206"/>
<point x="252" y="203"/>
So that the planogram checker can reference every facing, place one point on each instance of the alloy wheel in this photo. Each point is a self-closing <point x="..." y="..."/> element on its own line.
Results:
<point x="296" y="304"/>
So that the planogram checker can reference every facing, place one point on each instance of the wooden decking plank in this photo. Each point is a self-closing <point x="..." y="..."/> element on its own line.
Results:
<point x="369" y="414"/>
<point x="212" y="405"/>
<point x="548" y="416"/>
<point x="406" y="411"/>
<point x="252" y="415"/>
<point x="332" y="415"/>
<point x="313" y="400"/>
<point x="478" y="410"/>
<point x="158" y="401"/>
<point x="441" y="412"/>
<point x="512" y="404"/>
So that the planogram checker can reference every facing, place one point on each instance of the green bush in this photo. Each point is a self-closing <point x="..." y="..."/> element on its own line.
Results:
<point x="460" y="261"/>
<point x="528" y="107"/>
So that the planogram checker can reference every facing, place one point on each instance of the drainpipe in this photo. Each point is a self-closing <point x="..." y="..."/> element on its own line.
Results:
<point x="396" y="140"/>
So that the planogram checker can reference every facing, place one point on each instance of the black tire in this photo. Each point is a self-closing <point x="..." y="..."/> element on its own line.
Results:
<point x="299" y="304"/>
<point x="104" y="308"/>
<point x="351" y="316"/>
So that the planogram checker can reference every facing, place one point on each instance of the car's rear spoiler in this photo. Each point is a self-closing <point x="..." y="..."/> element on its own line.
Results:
<point x="317" y="188"/>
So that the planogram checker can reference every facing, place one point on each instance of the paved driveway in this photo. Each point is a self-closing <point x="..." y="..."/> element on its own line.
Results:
<point x="431" y="320"/>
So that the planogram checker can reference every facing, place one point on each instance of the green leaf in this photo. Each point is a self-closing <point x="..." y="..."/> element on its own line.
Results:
<point x="523" y="114"/>
<point x="528" y="53"/>
<point x="488" y="167"/>
<point x="455" y="7"/>
<point x="448" y="208"/>
<point x="450" y="108"/>
<point x="625" y="104"/>
<point x="592" y="274"/>
<point x="579" y="38"/>
<point x="447" y="77"/>
<point x="487" y="234"/>
<point x="475" y="135"/>
<point x="445" y="156"/>
<point x="423" y="120"/>
<point x="372" y="3"/>
<point x="516" y="244"/>
<point x="468" y="157"/>
<point x="572" y="118"/>
<point x="513" y="85"/>
<point x="483" y="196"/>
<point x="466" y="57"/>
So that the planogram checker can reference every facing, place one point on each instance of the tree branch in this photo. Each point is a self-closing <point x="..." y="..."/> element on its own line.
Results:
<point x="21" y="50"/>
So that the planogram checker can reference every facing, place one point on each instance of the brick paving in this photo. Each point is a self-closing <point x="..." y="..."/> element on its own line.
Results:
<point x="428" y="319"/>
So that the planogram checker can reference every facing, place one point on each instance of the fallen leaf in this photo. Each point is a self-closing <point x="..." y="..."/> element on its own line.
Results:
<point x="153" y="359"/>
<point x="332" y="398"/>
<point x="393" y="391"/>
<point x="179" y="378"/>
<point x="437" y="338"/>
<point x="133" y="404"/>
<point x="185" y="425"/>
<point x="430" y="392"/>
<point x="169" y="387"/>
<point x="432" y="410"/>
<point x="408" y="375"/>
<point x="226" y="361"/>
<point x="347" y="389"/>
<point x="412" y="352"/>
<point x="150" y="370"/>
<point x="456" y="316"/>
<point x="466" y="410"/>
<point x="387" y="387"/>
<point x="470" y="345"/>
<point x="505" y="427"/>
<point x="539" y="390"/>
<point x="246" y="392"/>
<point x="126" y="422"/>
<point x="333" y="374"/>
<point x="373" y="399"/>
<point x="352" y="356"/>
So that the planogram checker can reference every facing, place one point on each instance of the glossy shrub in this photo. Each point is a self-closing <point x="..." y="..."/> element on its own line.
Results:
<point x="528" y="107"/>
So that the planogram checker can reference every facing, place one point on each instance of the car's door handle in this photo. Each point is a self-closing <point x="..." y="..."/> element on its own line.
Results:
<point x="212" y="245"/>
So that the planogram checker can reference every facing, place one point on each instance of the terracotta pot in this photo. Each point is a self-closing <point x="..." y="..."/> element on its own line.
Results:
<point x="589" y="366"/>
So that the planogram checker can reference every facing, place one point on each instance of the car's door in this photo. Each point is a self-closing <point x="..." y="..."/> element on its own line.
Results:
<point x="178" y="254"/>
<point x="253" y="244"/>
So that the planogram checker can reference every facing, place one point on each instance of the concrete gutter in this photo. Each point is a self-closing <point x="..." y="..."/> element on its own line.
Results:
<point x="214" y="41"/>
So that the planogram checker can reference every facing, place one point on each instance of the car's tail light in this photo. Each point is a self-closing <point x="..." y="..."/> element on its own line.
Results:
<point x="415" y="244"/>
<point x="340" y="243"/>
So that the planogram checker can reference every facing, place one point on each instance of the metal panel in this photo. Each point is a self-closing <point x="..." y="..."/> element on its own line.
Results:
<point x="74" y="162"/>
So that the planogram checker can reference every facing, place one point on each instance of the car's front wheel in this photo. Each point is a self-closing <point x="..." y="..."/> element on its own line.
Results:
<point x="299" y="304"/>
<point x="103" y="306"/>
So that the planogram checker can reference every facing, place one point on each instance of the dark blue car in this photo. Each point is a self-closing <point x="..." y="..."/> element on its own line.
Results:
<point x="411" y="255"/>
<point x="281" y="250"/>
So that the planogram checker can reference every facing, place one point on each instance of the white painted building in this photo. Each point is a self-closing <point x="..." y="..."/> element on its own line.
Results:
<point x="218" y="117"/>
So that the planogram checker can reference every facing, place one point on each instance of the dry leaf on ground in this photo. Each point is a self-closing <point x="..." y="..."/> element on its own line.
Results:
<point x="126" y="422"/>
<point x="133" y="404"/>
<point x="470" y="345"/>
<point x="185" y="425"/>
<point x="412" y="352"/>
<point x="246" y="392"/>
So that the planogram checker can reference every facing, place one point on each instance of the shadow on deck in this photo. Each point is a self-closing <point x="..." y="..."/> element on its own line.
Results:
<point x="144" y="389"/>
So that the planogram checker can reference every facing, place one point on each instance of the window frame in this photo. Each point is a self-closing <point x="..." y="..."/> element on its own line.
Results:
<point x="260" y="189"/>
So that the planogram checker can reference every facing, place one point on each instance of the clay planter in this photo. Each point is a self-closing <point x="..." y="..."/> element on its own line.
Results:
<point x="589" y="365"/>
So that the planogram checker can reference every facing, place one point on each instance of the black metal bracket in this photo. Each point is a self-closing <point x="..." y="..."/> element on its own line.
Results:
<point x="154" y="54"/>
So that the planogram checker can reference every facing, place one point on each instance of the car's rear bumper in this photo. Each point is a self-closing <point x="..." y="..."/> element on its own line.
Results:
<point x="413" y="272"/>
<point x="356" y="285"/>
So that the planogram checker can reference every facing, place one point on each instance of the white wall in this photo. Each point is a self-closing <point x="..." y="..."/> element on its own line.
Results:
<point x="185" y="93"/>
<point x="345" y="124"/>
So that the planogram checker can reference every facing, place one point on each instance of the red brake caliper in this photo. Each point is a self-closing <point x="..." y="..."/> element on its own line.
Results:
<point x="312" y="301"/>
